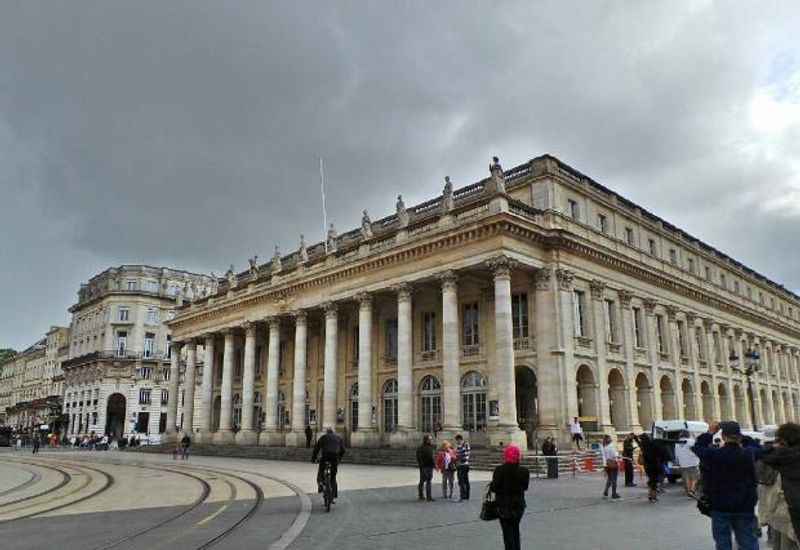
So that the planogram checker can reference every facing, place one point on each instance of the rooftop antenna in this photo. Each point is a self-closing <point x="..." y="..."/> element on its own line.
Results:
<point x="324" y="211"/>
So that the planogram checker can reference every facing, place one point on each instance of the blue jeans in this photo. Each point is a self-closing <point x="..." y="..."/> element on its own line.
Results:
<point x="743" y="527"/>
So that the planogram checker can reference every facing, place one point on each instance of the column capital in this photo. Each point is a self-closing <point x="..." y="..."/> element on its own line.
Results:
<point x="190" y="344"/>
<point x="541" y="278"/>
<point x="708" y="323"/>
<point x="404" y="292"/>
<point x="176" y="345"/>
<point x="672" y="312"/>
<point x="249" y="328"/>
<point x="690" y="318"/>
<point x="501" y="265"/>
<point x="565" y="278"/>
<point x="649" y="305"/>
<point x="738" y="332"/>
<point x="625" y="297"/>
<point x="449" y="280"/>
<point x="597" y="288"/>
<point x="331" y="310"/>
<point x="300" y="317"/>
<point x="227" y="331"/>
<point x="724" y="328"/>
<point x="364" y="300"/>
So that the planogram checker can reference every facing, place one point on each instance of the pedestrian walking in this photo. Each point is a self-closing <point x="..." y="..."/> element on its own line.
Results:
<point x="36" y="443"/>
<point x="652" y="458"/>
<point x="550" y="452"/>
<point x="186" y="442"/>
<point x="446" y="464"/>
<point x="611" y="466"/>
<point x="425" y="462"/>
<point x="509" y="483"/>
<point x="784" y="457"/>
<point x="576" y="431"/>
<point x="628" y="448"/>
<point x="462" y="468"/>
<point x="688" y="463"/>
<point x="309" y="436"/>
<point x="730" y="486"/>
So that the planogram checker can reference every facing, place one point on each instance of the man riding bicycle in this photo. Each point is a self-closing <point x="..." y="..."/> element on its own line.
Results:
<point x="330" y="449"/>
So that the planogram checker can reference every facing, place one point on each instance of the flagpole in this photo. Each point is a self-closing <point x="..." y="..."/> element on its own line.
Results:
<point x="324" y="211"/>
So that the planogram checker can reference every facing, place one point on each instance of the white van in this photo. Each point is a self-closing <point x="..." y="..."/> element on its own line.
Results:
<point x="675" y="432"/>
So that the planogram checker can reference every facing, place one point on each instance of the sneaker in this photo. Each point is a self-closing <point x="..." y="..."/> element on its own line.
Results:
<point x="431" y="500"/>
<point x="615" y="496"/>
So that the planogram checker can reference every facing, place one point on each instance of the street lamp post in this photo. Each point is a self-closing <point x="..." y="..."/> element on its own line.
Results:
<point x="752" y="363"/>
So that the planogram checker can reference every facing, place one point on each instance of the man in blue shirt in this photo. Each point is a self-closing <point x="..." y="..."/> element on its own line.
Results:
<point x="729" y="481"/>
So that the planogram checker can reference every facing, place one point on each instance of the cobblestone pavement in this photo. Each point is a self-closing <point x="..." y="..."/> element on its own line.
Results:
<point x="101" y="500"/>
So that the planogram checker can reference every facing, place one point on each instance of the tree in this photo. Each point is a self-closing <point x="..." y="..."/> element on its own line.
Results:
<point x="6" y="354"/>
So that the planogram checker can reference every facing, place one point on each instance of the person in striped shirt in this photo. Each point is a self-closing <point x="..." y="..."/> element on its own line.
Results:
<point x="462" y="468"/>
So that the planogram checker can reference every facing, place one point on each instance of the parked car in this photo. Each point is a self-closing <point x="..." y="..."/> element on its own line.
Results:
<point x="670" y="433"/>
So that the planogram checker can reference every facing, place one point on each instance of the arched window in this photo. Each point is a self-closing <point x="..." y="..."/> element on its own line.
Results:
<point x="257" y="411"/>
<point x="237" y="411"/>
<point x="473" y="401"/>
<point x="283" y="415"/>
<point x="354" y="407"/>
<point x="430" y="397"/>
<point x="307" y="410"/>
<point x="390" y="405"/>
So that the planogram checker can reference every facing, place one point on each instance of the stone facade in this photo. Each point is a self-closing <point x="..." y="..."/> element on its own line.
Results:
<point x="502" y="309"/>
<point x="117" y="379"/>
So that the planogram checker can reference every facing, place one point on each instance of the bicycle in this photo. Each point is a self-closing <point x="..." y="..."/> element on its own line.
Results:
<point x="327" y="486"/>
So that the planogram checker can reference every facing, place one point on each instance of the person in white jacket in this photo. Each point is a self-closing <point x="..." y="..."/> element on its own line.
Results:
<point x="611" y="466"/>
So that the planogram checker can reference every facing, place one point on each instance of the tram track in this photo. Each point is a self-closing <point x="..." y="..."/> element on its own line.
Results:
<point x="35" y="477"/>
<point x="66" y="478"/>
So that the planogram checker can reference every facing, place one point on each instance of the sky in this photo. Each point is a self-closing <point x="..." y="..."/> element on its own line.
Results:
<point x="188" y="134"/>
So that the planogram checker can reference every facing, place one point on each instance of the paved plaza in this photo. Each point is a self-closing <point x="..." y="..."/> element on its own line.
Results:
<point x="102" y="500"/>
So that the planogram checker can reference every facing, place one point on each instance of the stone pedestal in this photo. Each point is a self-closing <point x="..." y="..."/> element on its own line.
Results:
<point x="247" y="437"/>
<point x="365" y="439"/>
<point x="295" y="439"/>
<point x="507" y="436"/>
<point x="405" y="439"/>
<point x="272" y="438"/>
<point x="223" y="437"/>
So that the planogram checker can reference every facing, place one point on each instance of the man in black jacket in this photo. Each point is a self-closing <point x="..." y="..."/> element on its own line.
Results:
<point x="784" y="456"/>
<point x="627" y="455"/>
<point x="330" y="449"/>
<point x="729" y="478"/>
<point x="426" y="464"/>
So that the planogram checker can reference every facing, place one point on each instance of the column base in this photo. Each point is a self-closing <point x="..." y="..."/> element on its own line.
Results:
<point x="295" y="439"/>
<point x="367" y="439"/>
<point x="272" y="438"/>
<point x="405" y="439"/>
<point x="502" y="436"/>
<point x="223" y="437"/>
<point x="247" y="437"/>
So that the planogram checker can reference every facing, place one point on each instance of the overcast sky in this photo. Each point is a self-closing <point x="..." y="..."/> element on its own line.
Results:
<point x="188" y="134"/>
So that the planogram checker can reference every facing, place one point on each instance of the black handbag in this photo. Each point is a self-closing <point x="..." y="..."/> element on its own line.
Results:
<point x="489" y="507"/>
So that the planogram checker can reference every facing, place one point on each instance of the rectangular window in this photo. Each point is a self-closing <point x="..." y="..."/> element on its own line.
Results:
<point x="749" y="292"/>
<point x="690" y="262"/>
<point x="391" y="339"/>
<point x="698" y="337"/>
<point x="145" y="373"/>
<point x="708" y="273"/>
<point x="629" y="235"/>
<point x="717" y="348"/>
<point x="282" y="355"/>
<point x="144" y="396"/>
<point x="151" y="286"/>
<point x="152" y="316"/>
<point x="611" y="321"/>
<point x="237" y="364"/>
<point x="651" y="246"/>
<point x="673" y="256"/>
<point x="573" y="209"/>
<point x="259" y="359"/>
<point x="122" y="343"/>
<point x="471" y="325"/>
<point x="149" y="345"/>
<point x="519" y="315"/>
<point x="579" y="303"/>
<point x="124" y="313"/>
<point x="602" y="223"/>
<point x="429" y="331"/>
<point x="682" y="338"/>
<point x="169" y="347"/>
<point x="638" y="335"/>
<point x="736" y="287"/>
<point x="660" y="333"/>
<point x="165" y="374"/>
<point x="722" y="281"/>
<point x="131" y="285"/>
<point x="164" y="397"/>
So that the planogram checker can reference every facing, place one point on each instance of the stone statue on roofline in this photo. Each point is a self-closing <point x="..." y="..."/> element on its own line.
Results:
<point x="302" y="253"/>
<point x="498" y="178"/>
<point x="214" y="283"/>
<point x="402" y="213"/>
<point x="366" y="226"/>
<point x="447" y="195"/>
<point x="233" y="280"/>
<point x="332" y="239"/>
<point x="253" y="265"/>
<point x="276" y="260"/>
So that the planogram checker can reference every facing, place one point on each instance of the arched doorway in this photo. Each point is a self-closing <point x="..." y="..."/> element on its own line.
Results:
<point x="353" y="407"/>
<point x="115" y="415"/>
<point x="616" y="400"/>
<point x="430" y="404"/>
<point x="741" y="406"/>
<point x="389" y="395"/>
<point x="708" y="401"/>
<point x="215" y="413"/>
<point x="688" y="400"/>
<point x="527" y="402"/>
<point x="725" y="408"/>
<point x="644" y="401"/>
<point x="668" y="409"/>
<point x="473" y="402"/>
<point x="587" y="393"/>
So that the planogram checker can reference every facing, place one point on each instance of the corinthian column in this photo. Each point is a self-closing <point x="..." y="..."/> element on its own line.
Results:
<point x="225" y="433"/>
<point x="451" y="375"/>
<point x="172" y="398"/>
<point x="365" y="435"/>
<point x="297" y="437"/>
<point x="405" y="435"/>
<point x="207" y="390"/>
<point x="248" y="436"/>
<point x="188" y="388"/>
<point x="330" y="369"/>
<point x="507" y="429"/>
<point x="271" y="435"/>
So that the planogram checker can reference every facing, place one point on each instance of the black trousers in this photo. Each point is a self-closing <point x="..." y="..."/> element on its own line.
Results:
<point x="628" y="472"/>
<point x="463" y="482"/>
<point x="552" y="467"/>
<point x="510" y="529"/>
<point x="334" y="462"/>
<point x="425" y="478"/>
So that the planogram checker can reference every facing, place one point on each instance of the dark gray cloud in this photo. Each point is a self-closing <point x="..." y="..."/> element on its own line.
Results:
<point x="188" y="133"/>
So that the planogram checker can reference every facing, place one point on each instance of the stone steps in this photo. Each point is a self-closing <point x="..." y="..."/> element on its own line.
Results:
<point x="481" y="459"/>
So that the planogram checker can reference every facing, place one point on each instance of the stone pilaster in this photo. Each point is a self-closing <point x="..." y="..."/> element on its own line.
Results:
<point x="172" y="398"/>
<point x="625" y="299"/>
<point x="297" y="437"/>
<point x="654" y="359"/>
<point x="597" y="289"/>
<point x="247" y="434"/>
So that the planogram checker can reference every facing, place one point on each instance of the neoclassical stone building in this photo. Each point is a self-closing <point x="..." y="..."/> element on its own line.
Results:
<point x="501" y="309"/>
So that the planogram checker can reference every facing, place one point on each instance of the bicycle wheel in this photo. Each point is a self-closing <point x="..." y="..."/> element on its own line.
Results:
<point x="328" y="493"/>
